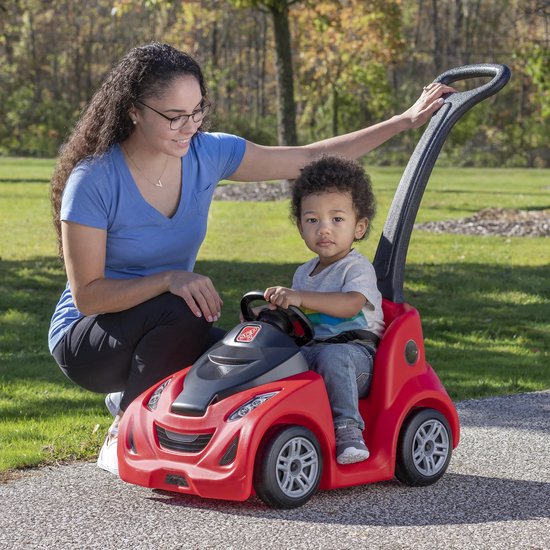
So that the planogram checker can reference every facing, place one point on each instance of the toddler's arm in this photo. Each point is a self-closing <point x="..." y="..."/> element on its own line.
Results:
<point x="337" y="304"/>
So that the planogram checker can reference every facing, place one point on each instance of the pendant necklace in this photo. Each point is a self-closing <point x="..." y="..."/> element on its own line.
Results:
<point x="159" y="182"/>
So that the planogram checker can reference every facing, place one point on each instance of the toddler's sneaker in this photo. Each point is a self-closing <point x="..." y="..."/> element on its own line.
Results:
<point x="112" y="401"/>
<point x="108" y="459"/>
<point x="350" y="447"/>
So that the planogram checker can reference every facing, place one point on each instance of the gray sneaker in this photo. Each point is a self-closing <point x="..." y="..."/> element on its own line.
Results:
<point x="112" y="401"/>
<point x="350" y="446"/>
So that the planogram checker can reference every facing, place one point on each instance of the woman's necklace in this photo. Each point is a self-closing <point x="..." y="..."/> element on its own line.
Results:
<point x="159" y="182"/>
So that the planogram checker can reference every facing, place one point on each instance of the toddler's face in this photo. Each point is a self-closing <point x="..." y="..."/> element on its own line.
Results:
<point x="329" y="225"/>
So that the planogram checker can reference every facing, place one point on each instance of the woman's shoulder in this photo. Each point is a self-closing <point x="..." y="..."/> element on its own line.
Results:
<point x="94" y="174"/>
<point x="96" y="164"/>
<point x="215" y="140"/>
<point x="222" y="153"/>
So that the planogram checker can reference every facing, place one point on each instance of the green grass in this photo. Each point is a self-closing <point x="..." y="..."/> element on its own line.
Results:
<point x="484" y="301"/>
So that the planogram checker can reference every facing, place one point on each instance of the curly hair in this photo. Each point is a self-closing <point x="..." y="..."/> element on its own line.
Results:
<point x="334" y="174"/>
<point x="144" y="72"/>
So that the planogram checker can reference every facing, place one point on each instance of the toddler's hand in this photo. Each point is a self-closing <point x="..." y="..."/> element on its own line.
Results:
<point x="283" y="297"/>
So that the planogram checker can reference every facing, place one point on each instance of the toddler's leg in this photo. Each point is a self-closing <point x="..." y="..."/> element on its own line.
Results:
<point x="343" y="367"/>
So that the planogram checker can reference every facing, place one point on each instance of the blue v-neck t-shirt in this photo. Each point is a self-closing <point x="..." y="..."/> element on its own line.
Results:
<point x="101" y="193"/>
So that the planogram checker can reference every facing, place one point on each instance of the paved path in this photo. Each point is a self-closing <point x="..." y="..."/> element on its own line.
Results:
<point x="496" y="494"/>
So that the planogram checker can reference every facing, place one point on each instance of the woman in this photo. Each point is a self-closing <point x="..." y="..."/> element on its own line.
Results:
<point x="130" y="194"/>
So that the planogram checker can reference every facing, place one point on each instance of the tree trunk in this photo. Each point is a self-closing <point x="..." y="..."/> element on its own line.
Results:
<point x="286" y="109"/>
<point x="438" y="39"/>
<point x="456" y="43"/>
<point x="335" y="105"/>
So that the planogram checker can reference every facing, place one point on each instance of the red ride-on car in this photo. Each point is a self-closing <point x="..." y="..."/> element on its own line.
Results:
<point x="249" y="416"/>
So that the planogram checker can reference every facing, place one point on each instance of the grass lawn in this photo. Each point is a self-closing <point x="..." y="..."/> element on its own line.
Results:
<point x="485" y="301"/>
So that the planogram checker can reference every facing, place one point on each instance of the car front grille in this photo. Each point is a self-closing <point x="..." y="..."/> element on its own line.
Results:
<point x="185" y="443"/>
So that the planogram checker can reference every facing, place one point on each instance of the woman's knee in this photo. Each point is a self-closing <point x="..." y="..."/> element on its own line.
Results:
<point x="99" y="377"/>
<point x="175" y="311"/>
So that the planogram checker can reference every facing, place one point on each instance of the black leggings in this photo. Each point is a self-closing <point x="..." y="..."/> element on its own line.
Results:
<point x="131" y="350"/>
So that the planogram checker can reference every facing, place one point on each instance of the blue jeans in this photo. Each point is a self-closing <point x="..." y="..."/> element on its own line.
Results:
<point x="346" y="370"/>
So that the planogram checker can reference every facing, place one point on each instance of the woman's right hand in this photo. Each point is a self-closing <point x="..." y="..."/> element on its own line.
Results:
<point x="198" y="292"/>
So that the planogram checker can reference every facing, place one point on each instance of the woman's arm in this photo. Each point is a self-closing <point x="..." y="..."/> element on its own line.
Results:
<point x="285" y="162"/>
<point x="84" y="253"/>
<point x="338" y="304"/>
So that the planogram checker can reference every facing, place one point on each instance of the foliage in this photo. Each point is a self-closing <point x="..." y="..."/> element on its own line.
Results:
<point x="343" y="48"/>
<point x="354" y="61"/>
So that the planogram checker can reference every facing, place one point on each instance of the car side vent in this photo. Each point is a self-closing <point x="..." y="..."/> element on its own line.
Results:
<point x="231" y="452"/>
<point x="185" y="443"/>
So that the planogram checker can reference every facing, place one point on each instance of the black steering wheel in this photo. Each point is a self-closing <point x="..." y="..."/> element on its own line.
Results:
<point x="291" y="321"/>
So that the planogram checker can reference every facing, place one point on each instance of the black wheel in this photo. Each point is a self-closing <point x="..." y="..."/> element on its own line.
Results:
<point x="288" y="468"/>
<point x="424" y="448"/>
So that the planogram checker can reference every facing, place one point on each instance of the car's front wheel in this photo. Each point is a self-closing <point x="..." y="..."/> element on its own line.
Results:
<point x="424" y="448"/>
<point x="288" y="468"/>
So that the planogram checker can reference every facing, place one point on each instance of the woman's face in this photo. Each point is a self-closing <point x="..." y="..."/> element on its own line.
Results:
<point x="182" y="97"/>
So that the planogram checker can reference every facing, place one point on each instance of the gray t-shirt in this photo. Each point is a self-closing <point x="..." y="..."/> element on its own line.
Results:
<point x="353" y="273"/>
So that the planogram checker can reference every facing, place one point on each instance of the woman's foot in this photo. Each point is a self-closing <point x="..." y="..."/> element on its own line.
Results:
<point x="112" y="401"/>
<point x="108" y="458"/>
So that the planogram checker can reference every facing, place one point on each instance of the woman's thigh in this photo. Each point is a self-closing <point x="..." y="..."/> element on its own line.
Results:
<point x="98" y="351"/>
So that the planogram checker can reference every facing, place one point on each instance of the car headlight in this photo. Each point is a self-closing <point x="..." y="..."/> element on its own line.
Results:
<point x="155" y="396"/>
<point x="249" y="406"/>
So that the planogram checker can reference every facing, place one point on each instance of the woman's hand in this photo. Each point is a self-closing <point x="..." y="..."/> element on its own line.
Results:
<point x="198" y="292"/>
<point x="282" y="297"/>
<point x="429" y="101"/>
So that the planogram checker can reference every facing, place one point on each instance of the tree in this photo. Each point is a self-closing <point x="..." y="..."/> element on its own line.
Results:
<point x="345" y="48"/>
<point x="286" y="107"/>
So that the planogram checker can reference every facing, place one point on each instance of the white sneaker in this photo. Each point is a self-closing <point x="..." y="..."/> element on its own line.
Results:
<point x="112" y="401"/>
<point x="108" y="459"/>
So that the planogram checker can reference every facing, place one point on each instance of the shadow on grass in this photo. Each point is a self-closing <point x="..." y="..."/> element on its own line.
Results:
<point x="479" y="337"/>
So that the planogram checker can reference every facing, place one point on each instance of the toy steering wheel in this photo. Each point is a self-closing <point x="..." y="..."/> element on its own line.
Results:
<point x="291" y="321"/>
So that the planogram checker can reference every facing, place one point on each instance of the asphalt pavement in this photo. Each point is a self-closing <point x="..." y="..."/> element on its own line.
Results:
<point x="495" y="495"/>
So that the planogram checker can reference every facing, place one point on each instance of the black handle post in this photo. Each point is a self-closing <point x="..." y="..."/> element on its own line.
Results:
<point x="389" y="261"/>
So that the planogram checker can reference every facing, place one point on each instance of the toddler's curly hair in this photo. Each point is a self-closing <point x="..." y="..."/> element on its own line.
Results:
<point x="334" y="174"/>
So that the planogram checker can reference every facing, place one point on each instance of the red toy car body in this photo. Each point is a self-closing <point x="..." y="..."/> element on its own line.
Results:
<point x="401" y="387"/>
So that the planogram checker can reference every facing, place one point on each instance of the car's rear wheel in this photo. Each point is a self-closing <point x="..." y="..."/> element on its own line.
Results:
<point x="288" y="468"/>
<point x="424" y="448"/>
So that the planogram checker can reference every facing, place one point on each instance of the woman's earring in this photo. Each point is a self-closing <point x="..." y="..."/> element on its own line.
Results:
<point x="134" y="121"/>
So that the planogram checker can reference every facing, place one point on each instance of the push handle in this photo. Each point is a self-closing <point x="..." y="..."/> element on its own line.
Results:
<point x="500" y="74"/>
<point x="463" y="101"/>
<point x="389" y="261"/>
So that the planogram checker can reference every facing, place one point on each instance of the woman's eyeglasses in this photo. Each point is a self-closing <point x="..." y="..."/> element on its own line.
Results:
<point x="180" y="121"/>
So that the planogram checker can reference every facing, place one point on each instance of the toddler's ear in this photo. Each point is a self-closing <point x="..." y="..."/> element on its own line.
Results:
<point x="361" y="228"/>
